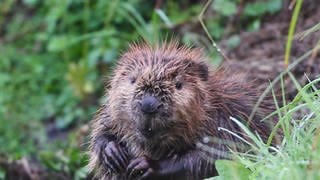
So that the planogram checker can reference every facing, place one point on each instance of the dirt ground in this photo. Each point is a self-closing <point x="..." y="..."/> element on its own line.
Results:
<point x="261" y="53"/>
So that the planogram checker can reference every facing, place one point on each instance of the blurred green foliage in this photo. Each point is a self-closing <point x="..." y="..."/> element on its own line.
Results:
<point x="54" y="55"/>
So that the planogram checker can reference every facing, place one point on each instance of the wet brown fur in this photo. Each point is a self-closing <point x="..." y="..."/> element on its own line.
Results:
<point x="204" y="104"/>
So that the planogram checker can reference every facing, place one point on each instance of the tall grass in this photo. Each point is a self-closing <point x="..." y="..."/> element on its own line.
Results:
<point x="297" y="157"/>
<point x="292" y="27"/>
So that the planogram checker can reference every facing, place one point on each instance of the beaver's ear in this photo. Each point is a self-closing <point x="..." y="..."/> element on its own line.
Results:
<point x="199" y="68"/>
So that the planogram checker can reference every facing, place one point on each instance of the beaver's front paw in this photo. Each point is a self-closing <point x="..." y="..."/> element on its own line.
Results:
<point x="141" y="168"/>
<point x="114" y="157"/>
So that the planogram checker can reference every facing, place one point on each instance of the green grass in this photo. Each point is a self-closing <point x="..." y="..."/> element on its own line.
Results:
<point x="292" y="27"/>
<point x="297" y="157"/>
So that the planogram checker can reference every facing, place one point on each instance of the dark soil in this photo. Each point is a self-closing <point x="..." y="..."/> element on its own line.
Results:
<point x="261" y="53"/>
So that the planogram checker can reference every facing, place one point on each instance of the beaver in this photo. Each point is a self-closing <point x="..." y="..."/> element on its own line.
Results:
<point x="167" y="115"/>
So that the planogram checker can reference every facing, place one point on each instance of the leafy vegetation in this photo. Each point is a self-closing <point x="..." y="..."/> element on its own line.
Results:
<point x="55" y="55"/>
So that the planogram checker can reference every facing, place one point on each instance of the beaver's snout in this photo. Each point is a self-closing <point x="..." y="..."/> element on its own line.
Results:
<point x="150" y="105"/>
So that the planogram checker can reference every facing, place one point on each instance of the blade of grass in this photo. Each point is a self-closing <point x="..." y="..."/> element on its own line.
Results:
<point x="110" y="13"/>
<point x="309" y="31"/>
<point x="284" y="105"/>
<point x="135" y="19"/>
<point x="292" y="27"/>
<point x="280" y="122"/>
<point x="267" y="90"/>
<point x="248" y="132"/>
<point x="164" y="18"/>
<point x="306" y="97"/>
<point x="214" y="44"/>
<point x="239" y="137"/>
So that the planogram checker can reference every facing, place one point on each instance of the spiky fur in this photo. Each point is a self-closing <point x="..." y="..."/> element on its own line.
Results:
<point x="205" y="103"/>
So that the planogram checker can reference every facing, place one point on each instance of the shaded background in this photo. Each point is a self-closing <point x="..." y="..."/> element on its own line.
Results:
<point x="55" y="56"/>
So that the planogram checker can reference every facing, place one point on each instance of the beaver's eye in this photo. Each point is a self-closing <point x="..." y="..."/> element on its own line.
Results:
<point x="178" y="85"/>
<point x="132" y="79"/>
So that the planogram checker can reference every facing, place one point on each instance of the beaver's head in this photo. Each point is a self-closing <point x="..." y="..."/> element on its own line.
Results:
<point x="158" y="94"/>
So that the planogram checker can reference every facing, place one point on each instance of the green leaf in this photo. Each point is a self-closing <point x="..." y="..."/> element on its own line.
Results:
<point x="232" y="170"/>
<point x="215" y="178"/>
<point x="30" y="2"/>
<point x="2" y="173"/>
<point x="225" y="7"/>
<point x="109" y="55"/>
<point x="255" y="9"/>
<point x="215" y="29"/>
<point x="58" y="43"/>
<point x="254" y="25"/>
<point x="274" y="6"/>
<point x="49" y="160"/>
<point x="81" y="173"/>
<point x="233" y="41"/>
<point x="61" y="42"/>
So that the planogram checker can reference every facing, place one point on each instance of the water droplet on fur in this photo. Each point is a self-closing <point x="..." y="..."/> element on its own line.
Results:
<point x="206" y="139"/>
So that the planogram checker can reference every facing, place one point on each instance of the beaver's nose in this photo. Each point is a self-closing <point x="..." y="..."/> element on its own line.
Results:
<point x="150" y="105"/>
